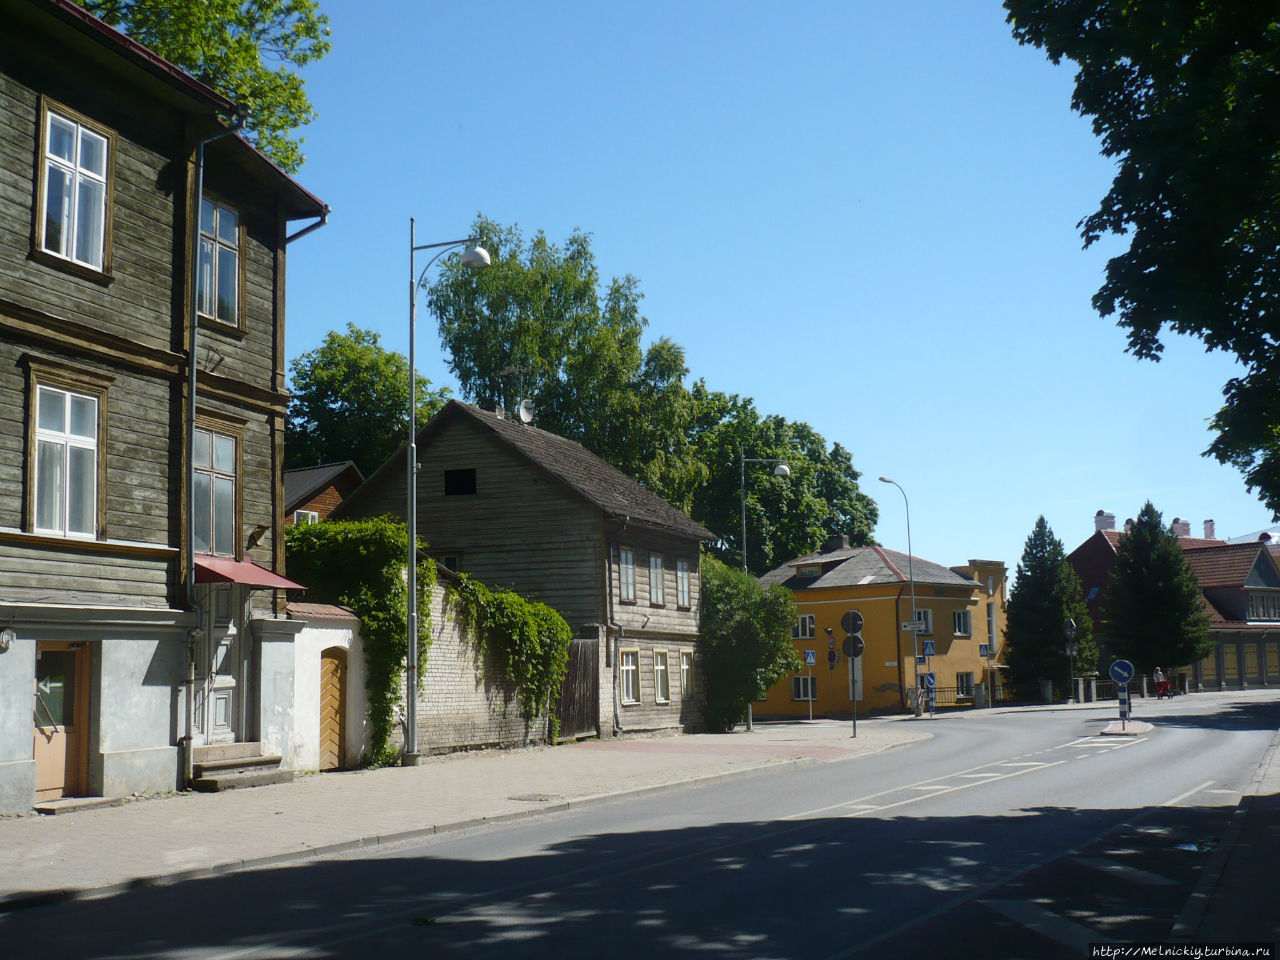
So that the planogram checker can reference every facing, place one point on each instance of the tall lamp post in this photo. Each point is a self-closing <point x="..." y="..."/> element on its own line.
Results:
<point x="781" y="470"/>
<point x="911" y="578"/>
<point x="475" y="258"/>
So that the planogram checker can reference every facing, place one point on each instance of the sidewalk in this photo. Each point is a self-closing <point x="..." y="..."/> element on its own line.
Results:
<point x="157" y="839"/>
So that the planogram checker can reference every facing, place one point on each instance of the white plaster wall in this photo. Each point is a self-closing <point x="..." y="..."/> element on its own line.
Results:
<point x="319" y="635"/>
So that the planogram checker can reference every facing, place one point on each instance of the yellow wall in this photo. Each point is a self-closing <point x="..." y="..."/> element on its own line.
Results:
<point x="888" y="657"/>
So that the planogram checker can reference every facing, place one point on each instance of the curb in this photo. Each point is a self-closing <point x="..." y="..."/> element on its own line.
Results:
<point x="26" y="900"/>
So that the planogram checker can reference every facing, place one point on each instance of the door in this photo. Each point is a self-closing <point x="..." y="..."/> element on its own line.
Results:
<point x="222" y="670"/>
<point x="61" y="715"/>
<point x="333" y="701"/>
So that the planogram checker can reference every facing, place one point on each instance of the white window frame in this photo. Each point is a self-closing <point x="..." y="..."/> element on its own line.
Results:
<point x="962" y="623"/>
<point x="219" y="249"/>
<point x="218" y="473"/>
<point x="657" y="591"/>
<point x="683" y="594"/>
<point x="629" y="675"/>
<point x="686" y="674"/>
<point x="805" y="627"/>
<point x="304" y="518"/>
<point x="964" y="683"/>
<point x="66" y="441"/>
<point x="925" y="616"/>
<point x="661" y="676"/>
<point x="82" y="178"/>
<point x="627" y="574"/>
<point x="991" y="622"/>
<point x="802" y="685"/>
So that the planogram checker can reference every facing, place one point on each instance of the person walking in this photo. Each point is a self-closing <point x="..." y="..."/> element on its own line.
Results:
<point x="1162" y="685"/>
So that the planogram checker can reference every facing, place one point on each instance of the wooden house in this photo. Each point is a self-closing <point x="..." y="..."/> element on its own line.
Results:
<point x="312" y="493"/>
<point x="109" y="585"/>
<point x="523" y="509"/>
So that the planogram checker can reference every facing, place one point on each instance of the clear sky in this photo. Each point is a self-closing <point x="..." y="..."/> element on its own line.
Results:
<point x="861" y="214"/>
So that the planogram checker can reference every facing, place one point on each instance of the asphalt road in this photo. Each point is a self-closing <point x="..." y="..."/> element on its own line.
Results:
<point x="1006" y="835"/>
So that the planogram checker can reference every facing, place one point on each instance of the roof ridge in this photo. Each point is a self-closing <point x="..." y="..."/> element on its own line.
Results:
<point x="885" y="557"/>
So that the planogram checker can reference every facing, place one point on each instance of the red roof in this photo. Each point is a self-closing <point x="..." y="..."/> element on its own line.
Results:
<point x="229" y="570"/>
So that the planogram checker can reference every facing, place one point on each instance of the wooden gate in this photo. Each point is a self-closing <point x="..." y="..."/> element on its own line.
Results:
<point x="579" y="694"/>
<point x="333" y="707"/>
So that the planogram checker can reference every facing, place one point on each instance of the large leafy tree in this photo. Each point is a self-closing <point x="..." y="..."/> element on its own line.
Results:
<point x="1185" y="96"/>
<point x="1153" y="605"/>
<point x="351" y="402"/>
<point x="247" y="50"/>
<point x="746" y="640"/>
<point x="1045" y="596"/>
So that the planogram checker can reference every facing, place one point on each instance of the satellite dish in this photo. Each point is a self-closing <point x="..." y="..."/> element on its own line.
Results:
<point x="525" y="411"/>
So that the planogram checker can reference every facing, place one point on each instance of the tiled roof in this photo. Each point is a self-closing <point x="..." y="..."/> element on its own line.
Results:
<point x="859" y="566"/>
<point x="578" y="468"/>
<point x="319" y="611"/>
<point x="1224" y="565"/>
<point x="1186" y="543"/>
<point x="299" y="484"/>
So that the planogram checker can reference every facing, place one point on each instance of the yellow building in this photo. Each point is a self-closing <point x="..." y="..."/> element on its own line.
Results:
<point x="961" y="610"/>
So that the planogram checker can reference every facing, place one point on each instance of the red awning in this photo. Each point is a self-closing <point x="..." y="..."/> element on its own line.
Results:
<point x="227" y="570"/>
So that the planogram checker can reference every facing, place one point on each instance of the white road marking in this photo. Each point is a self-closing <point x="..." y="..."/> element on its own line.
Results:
<point x="1183" y="796"/>
<point x="1125" y="872"/>
<point x="1046" y="923"/>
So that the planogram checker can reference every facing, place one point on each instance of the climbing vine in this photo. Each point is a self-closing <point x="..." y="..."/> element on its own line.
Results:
<point x="527" y="641"/>
<point x="360" y="564"/>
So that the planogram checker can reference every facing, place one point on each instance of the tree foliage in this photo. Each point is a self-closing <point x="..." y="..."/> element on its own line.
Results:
<point x="1185" y="97"/>
<point x="746" y="640"/>
<point x="1153" y="604"/>
<point x="247" y="50"/>
<point x="350" y="402"/>
<point x="540" y="324"/>
<point x="1045" y="595"/>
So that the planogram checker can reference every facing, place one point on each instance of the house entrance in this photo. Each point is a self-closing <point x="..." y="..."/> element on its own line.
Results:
<point x="61" y="719"/>
<point x="222" y="669"/>
<point x="333" y="708"/>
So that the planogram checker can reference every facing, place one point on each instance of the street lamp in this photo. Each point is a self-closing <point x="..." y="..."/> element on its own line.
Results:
<point x="475" y="258"/>
<point x="911" y="578"/>
<point x="781" y="470"/>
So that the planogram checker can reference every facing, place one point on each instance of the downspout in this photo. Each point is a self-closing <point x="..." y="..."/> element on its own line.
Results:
<point x="902" y="670"/>
<point x="324" y="218"/>
<point x="193" y="324"/>
<point x="611" y="624"/>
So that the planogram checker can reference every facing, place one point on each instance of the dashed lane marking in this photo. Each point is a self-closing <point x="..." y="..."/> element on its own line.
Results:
<point x="1045" y="922"/>
<point x="1126" y="872"/>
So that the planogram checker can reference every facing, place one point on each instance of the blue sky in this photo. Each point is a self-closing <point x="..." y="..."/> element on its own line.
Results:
<point x="860" y="214"/>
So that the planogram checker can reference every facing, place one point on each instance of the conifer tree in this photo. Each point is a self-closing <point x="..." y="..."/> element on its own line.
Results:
<point x="1045" y="595"/>
<point x="1154" y="609"/>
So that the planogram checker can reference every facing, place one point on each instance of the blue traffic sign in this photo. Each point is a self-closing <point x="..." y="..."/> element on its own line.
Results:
<point x="810" y="657"/>
<point x="929" y="648"/>
<point x="930" y="680"/>
<point x="1121" y="671"/>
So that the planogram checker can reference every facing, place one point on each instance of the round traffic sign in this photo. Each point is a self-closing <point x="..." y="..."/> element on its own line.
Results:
<point x="1121" y="671"/>
<point x="930" y="680"/>
<point x="851" y="621"/>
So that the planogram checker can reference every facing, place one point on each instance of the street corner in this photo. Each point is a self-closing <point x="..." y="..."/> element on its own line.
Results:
<point x="1127" y="728"/>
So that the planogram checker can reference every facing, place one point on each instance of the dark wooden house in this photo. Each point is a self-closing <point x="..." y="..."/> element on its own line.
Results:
<point x="312" y="493"/>
<point x="99" y="209"/>
<point x="523" y="509"/>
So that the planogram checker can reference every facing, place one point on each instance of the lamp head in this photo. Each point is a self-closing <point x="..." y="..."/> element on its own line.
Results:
<point x="885" y="480"/>
<point x="477" y="258"/>
<point x="782" y="470"/>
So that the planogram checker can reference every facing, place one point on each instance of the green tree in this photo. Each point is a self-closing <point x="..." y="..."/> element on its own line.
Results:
<point x="1186" y="99"/>
<point x="746" y="640"/>
<point x="247" y="50"/>
<point x="350" y="402"/>
<point x="1045" y="595"/>
<point x="1153" y="604"/>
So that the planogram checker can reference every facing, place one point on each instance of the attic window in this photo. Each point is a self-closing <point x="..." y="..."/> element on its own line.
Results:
<point x="1093" y="593"/>
<point x="809" y="570"/>
<point x="459" y="483"/>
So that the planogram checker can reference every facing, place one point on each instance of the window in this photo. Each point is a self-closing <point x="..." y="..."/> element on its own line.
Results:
<point x="804" y="688"/>
<point x="73" y="199"/>
<point x="809" y="571"/>
<point x="803" y="628"/>
<point x="925" y="617"/>
<point x="627" y="573"/>
<point x="961" y="623"/>
<point x="1264" y="606"/>
<point x="656" y="593"/>
<point x="303" y="518"/>
<point x="459" y="483"/>
<point x="661" y="677"/>
<point x="964" y="684"/>
<point x="991" y="585"/>
<point x="450" y="561"/>
<point x="214" y="476"/>
<point x="630" y="676"/>
<point x="1093" y="593"/>
<point x="686" y="674"/>
<point x="991" y="622"/>
<point x="219" y="291"/>
<point x="682" y="583"/>
<point x="66" y="462"/>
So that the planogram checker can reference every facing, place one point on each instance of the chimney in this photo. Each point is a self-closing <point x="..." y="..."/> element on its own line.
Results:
<point x="1128" y="525"/>
<point x="833" y="543"/>
<point x="1104" y="521"/>
<point x="499" y="412"/>
<point x="1264" y="537"/>
<point x="1180" y="527"/>
<point x="1209" y="532"/>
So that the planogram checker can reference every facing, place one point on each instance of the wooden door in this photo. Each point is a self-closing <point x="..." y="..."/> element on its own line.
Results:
<point x="61" y="720"/>
<point x="333" y="700"/>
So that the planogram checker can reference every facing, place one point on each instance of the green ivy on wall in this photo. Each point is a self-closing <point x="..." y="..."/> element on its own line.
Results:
<point x="527" y="641"/>
<point x="360" y="564"/>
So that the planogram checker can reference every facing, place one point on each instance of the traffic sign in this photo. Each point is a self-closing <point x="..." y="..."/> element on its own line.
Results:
<point x="1122" y="671"/>
<point x="912" y="626"/>
<point x="929" y="650"/>
<point x="984" y="650"/>
<point x="831" y="658"/>
<point x="810" y="657"/>
<point x="930" y="680"/>
<point x="853" y="647"/>
<point x="851" y="621"/>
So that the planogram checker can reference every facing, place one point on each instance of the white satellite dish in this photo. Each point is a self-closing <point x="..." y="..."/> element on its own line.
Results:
<point x="525" y="411"/>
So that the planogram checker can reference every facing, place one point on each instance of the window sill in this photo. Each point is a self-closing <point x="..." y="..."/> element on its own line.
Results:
<point x="123" y="547"/>
<point x="663" y="703"/>
<point x="221" y="326"/>
<point x="629" y="603"/>
<point x="631" y="703"/>
<point x="100" y="277"/>
<point x="657" y="606"/>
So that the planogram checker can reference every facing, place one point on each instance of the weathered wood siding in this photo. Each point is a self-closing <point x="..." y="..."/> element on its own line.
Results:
<point x="650" y="714"/>
<point x="644" y="613"/>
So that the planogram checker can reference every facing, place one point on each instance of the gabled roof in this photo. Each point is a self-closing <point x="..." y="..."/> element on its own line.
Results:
<point x="570" y="463"/>
<point x="1227" y="565"/>
<point x="300" y="484"/>
<point x="859" y="566"/>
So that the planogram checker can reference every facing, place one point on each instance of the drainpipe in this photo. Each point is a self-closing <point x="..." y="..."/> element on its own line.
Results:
<point x="193" y="324"/>
<point x="610" y="623"/>
<point x="324" y="219"/>
<point x="902" y="673"/>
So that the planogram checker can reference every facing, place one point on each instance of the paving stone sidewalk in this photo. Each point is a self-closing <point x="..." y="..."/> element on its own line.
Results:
<point x="186" y="835"/>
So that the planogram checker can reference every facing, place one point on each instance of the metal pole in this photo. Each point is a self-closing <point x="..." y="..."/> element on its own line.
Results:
<point x="742" y="492"/>
<point x="411" y="756"/>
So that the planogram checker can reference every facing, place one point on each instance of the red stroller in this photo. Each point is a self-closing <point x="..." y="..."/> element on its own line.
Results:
<point x="1162" y="685"/>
